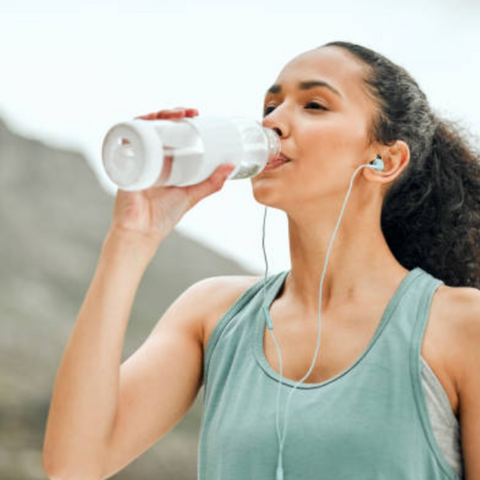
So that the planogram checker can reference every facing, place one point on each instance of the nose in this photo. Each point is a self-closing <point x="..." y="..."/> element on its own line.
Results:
<point x="278" y="131"/>
<point x="272" y="121"/>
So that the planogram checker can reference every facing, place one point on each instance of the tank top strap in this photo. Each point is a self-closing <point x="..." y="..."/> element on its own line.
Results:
<point x="247" y="307"/>
<point x="428" y="285"/>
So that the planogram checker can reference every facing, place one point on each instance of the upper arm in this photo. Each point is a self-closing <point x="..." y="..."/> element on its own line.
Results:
<point x="160" y="381"/>
<point x="468" y="372"/>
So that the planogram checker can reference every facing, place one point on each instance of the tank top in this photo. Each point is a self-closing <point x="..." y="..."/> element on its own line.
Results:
<point x="370" y="421"/>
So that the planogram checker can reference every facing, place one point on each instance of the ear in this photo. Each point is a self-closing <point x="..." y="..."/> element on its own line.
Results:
<point x="395" y="158"/>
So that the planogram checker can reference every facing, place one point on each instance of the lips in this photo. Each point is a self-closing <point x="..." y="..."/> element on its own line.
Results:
<point x="281" y="158"/>
<point x="276" y="162"/>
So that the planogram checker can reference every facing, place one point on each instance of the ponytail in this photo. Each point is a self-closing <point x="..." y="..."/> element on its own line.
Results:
<point x="432" y="218"/>
<point x="431" y="212"/>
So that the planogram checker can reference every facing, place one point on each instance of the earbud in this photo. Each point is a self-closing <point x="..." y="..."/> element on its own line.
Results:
<point x="377" y="164"/>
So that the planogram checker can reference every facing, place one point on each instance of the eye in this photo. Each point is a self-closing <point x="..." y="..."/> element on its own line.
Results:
<point x="267" y="110"/>
<point x="317" y="106"/>
<point x="320" y="107"/>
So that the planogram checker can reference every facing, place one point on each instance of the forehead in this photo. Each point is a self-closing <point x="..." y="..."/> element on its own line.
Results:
<point x="333" y="65"/>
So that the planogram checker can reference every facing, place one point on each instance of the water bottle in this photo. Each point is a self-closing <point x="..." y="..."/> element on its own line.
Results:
<point x="139" y="154"/>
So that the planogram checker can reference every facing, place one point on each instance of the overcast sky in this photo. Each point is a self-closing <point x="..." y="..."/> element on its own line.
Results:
<point x="70" y="70"/>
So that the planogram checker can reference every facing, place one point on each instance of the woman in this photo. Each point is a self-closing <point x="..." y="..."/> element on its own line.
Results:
<point x="395" y="383"/>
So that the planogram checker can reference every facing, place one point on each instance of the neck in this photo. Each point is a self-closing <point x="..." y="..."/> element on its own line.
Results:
<point x="360" y="269"/>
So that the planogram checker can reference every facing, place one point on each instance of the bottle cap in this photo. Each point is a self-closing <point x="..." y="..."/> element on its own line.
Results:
<point x="132" y="154"/>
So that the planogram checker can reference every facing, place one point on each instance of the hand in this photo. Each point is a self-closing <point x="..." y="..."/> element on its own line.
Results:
<point x="154" y="212"/>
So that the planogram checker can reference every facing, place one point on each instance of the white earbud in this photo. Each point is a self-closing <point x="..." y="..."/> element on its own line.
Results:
<point x="377" y="164"/>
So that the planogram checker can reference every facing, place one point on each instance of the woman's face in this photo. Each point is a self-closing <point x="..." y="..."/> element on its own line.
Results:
<point x="323" y="130"/>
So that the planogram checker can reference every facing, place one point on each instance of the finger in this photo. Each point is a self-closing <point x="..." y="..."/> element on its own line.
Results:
<point x="178" y="112"/>
<point x="210" y="185"/>
<point x="187" y="110"/>
<point x="171" y="114"/>
<point x="154" y="115"/>
<point x="148" y="116"/>
<point x="159" y="114"/>
<point x="191" y="112"/>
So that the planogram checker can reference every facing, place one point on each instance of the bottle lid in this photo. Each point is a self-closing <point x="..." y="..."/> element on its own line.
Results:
<point x="132" y="154"/>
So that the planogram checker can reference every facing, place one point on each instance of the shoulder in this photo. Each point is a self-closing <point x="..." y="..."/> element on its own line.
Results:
<point x="459" y="309"/>
<point x="222" y="291"/>
<point x="216" y="295"/>
<point x="222" y="288"/>
<point x="464" y="312"/>
<point x="463" y="304"/>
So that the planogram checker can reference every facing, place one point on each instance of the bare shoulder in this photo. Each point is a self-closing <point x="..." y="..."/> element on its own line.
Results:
<point x="464" y="310"/>
<point x="456" y="315"/>
<point x="219" y="294"/>
<point x="459" y="308"/>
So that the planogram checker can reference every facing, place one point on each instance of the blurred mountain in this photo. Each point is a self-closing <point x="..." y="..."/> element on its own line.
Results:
<point x="54" y="216"/>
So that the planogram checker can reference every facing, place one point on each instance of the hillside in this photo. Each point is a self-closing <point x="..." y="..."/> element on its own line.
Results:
<point x="54" y="217"/>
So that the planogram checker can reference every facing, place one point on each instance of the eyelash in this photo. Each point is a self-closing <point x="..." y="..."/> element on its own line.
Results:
<point x="265" y="112"/>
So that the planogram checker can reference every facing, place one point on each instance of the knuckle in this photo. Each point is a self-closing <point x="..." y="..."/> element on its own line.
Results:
<point x="217" y="180"/>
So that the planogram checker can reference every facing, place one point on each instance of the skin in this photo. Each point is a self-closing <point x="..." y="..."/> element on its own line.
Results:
<point x="326" y="146"/>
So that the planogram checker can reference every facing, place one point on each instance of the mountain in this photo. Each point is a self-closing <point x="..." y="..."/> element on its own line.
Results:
<point x="54" y="216"/>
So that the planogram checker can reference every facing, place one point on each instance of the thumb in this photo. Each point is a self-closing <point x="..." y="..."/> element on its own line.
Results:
<point x="210" y="185"/>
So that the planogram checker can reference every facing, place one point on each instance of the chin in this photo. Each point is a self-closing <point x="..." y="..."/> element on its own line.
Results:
<point x="270" y="197"/>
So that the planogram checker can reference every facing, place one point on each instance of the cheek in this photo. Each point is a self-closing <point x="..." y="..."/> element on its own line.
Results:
<point x="340" y="137"/>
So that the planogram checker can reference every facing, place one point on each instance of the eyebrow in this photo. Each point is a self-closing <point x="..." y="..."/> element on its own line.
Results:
<point x="305" y="85"/>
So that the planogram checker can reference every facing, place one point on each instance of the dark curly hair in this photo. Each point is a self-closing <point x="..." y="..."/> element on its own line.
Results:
<point x="431" y="212"/>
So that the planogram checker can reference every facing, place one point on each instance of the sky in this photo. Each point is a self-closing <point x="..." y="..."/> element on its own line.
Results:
<point x="71" y="70"/>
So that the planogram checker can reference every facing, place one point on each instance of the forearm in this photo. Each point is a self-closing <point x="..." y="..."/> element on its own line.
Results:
<point x="85" y="394"/>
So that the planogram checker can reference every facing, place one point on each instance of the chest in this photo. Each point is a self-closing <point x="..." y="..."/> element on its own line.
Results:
<point x="344" y="338"/>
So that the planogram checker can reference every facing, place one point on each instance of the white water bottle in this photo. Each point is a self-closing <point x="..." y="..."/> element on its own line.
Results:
<point x="139" y="154"/>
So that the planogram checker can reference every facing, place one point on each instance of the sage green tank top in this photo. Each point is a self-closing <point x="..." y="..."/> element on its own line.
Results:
<point x="369" y="422"/>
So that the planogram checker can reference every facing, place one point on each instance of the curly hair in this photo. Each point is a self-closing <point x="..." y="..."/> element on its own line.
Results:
<point x="431" y="212"/>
